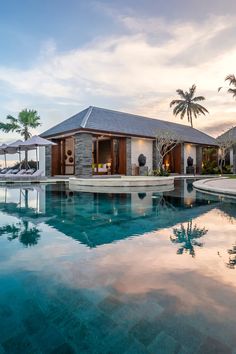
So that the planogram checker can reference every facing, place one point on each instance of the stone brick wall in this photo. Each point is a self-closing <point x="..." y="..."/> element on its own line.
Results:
<point x="154" y="155"/>
<point x="234" y="158"/>
<point x="199" y="159"/>
<point x="182" y="159"/>
<point x="128" y="157"/>
<point x="48" y="161"/>
<point x="83" y="155"/>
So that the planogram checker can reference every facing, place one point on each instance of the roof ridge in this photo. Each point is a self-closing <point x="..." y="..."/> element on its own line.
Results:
<point x="86" y="117"/>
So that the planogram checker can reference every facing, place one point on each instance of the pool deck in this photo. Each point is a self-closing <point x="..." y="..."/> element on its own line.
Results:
<point x="114" y="181"/>
<point x="42" y="180"/>
<point x="223" y="185"/>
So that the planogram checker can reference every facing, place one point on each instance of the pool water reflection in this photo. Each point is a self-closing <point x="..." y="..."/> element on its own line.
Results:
<point x="116" y="273"/>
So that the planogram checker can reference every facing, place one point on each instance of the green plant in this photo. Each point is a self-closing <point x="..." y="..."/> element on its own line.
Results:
<point x="27" y="119"/>
<point x="210" y="168"/>
<point x="227" y="169"/>
<point x="160" y="172"/>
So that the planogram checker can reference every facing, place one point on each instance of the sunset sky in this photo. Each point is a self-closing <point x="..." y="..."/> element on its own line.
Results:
<point x="60" y="56"/>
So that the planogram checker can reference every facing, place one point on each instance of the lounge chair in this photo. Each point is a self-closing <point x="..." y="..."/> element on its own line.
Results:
<point x="13" y="174"/>
<point x="29" y="171"/>
<point x="3" y="171"/>
<point x="36" y="174"/>
<point x="21" y="172"/>
<point x="14" y="171"/>
<point x="6" y="173"/>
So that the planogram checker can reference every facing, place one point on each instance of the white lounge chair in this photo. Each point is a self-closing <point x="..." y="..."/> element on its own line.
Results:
<point x="21" y="172"/>
<point x="13" y="175"/>
<point x="35" y="175"/>
<point x="29" y="172"/>
<point x="8" y="172"/>
<point x="3" y="171"/>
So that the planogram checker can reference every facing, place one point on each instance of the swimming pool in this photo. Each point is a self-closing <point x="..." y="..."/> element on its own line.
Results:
<point x="116" y="273"/>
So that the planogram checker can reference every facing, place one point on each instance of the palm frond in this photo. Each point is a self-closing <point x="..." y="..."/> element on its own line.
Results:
<point x="192" y="91"/>
<point x="183" y="113"/>
<point x="174" y="102"/>
<point x="179" y="108"/>
<point x="232" y="91"/>
<point x="181" y="93"/>
<point x="11" y="119"/>
<point x="29" y="118"/>
<point x="232" y="79"/>
<point x="8" y="127"/>
<point x="201" y="109"/>
<point x="198" y="98"/>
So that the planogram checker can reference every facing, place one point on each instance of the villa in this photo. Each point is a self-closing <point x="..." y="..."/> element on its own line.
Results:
<point x="231" y="158"/>
<point x="99" y="141"/>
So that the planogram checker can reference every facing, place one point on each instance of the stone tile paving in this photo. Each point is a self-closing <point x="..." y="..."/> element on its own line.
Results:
<point x="57" y="319"/>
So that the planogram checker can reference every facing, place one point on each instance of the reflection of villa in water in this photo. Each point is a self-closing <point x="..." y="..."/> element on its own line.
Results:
<point x="113" y="216"/>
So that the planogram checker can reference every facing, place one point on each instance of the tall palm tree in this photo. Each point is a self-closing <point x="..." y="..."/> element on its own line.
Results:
<point x="188" y="104"/>
<point x="27" y="119"/>
<point x="232" y="81"/>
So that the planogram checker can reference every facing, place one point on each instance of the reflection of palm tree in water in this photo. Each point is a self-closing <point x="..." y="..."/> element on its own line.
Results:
<point x="232" y="258"/>
<point x="28" y="236"/>
<point x="187" y="237"/>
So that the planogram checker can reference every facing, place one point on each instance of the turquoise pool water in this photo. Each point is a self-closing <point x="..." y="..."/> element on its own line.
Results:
<point x="116" y="273"/>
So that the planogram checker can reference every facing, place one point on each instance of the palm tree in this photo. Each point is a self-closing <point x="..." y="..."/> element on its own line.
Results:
<point x="28" y="236"/>
<point x="188" y="104"/>
<point x="186" y="236"/>
<point x="27" y="119"/>
<point x="232" y="81"/>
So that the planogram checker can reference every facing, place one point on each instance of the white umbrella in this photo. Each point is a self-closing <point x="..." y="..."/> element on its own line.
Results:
<point x="3" y="151"/>
<point x="35" y="142"/>
<point x="14" y="148"/>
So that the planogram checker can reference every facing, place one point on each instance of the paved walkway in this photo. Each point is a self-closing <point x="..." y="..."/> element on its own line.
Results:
<point x="221" y="185"/>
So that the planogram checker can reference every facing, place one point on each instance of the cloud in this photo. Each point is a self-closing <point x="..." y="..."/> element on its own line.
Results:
<point x="138" y="71"/>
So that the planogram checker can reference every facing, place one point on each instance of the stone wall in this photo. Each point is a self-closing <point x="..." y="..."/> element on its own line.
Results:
<point x="198" y="159"/>
<point x="128" y="157"/>
<point x="48" y="161"/>
<point x="234" y="158"/>
<point x="182" y="159"/>
<point x="154" y="155"/>
<point x="83" y="155"/>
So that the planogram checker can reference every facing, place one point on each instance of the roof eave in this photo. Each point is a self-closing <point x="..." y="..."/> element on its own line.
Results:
<point x="109" y="133"/>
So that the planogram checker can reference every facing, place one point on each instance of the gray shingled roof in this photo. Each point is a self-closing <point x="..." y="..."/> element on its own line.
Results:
<point x="231" y="131"/>
<point x="99" y="119"/>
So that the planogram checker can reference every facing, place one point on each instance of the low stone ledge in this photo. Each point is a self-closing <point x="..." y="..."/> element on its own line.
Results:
<point x="122" y="183"/>
<point x="222" y="186"/>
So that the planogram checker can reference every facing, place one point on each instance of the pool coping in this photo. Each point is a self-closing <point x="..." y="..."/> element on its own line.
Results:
<point x="123" y="181"/>
<point x="202" y="186"/>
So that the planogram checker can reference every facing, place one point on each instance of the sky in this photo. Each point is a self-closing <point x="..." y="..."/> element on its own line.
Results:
<point x="61" y="56"/>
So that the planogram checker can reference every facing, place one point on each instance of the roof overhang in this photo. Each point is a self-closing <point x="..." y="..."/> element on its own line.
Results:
<point x="117" y="134"/>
